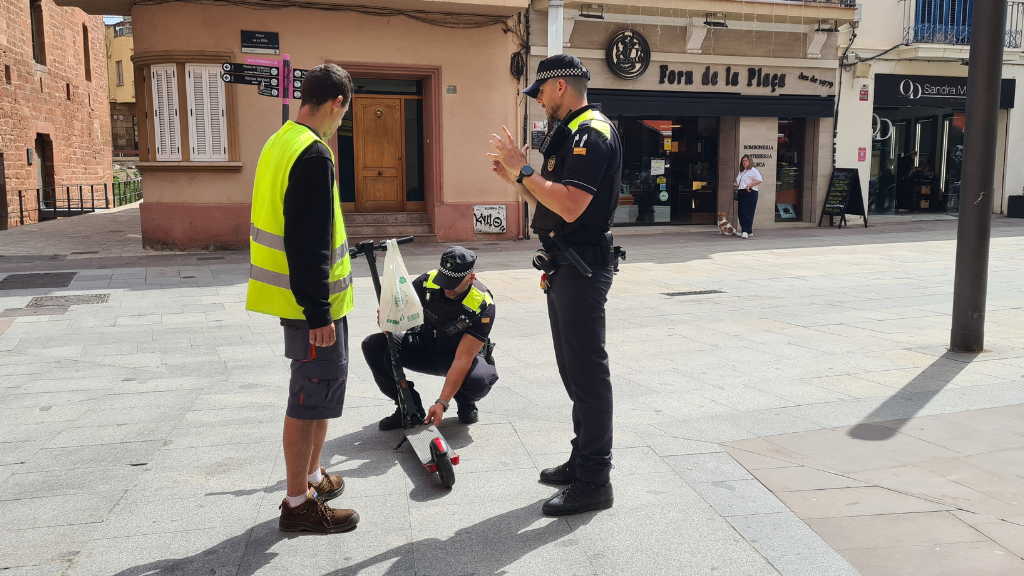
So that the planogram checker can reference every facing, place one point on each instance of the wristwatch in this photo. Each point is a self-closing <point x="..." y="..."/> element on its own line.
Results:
<point x="524" y="172"/>
<point x="442" y="403"/>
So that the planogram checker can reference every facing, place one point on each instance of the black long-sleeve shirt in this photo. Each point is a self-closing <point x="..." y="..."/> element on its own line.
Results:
<point x="308" y="230"/>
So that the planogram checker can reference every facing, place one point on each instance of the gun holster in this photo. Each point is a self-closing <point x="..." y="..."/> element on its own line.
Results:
<point x="612" y="254"/>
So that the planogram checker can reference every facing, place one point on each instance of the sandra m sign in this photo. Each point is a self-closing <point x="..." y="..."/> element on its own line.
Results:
<point x="936" y="91"/>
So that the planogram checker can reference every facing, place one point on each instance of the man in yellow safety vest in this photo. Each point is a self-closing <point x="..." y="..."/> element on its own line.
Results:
<point x="301" y="273"/>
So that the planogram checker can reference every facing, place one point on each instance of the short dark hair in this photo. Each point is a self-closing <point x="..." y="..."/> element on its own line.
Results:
<point x="577" y="84"/>
<point x="325" y="83"/>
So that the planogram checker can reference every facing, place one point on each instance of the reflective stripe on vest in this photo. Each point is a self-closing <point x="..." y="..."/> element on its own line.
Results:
<point x="475" y="301"/>
<point x="269" y="284"/>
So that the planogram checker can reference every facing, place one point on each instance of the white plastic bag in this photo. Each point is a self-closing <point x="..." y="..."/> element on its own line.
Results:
<point x="400" y="307"/>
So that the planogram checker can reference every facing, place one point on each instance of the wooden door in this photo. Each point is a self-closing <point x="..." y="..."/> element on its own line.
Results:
<point x="378" y="128"/>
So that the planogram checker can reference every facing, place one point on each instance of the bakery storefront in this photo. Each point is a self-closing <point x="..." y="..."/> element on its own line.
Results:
<point x="917" y="142"/>
<point x="686" y="120"/>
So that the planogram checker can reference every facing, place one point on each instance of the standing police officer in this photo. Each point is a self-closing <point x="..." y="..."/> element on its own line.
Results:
<point x="575" y="196"/>
<point x="458" y="314"/>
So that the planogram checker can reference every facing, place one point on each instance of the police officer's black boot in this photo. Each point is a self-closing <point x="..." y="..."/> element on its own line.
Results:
<point x="580" y="497"/>
<point x="468" y="414"/>
<point x="394" y="422"/>
<point x="563" y="474"/>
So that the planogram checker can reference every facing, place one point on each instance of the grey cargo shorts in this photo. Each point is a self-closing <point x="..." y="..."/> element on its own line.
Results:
<point x="319" y="374"/>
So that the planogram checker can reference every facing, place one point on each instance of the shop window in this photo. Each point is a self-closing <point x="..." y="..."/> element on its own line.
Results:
<point x="38" y="34"/>
<point x="789" y="170"/>
<point x="915" y="164"/>
<point x="166" y="125"/>
<point x="87" y="57"/>
<point x="670" y="169"/>
<point x="207" y="116"/>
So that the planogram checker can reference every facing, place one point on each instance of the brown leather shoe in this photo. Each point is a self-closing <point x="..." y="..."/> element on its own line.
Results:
<point x="330" y="486"/>
<point x="315" y="515"/>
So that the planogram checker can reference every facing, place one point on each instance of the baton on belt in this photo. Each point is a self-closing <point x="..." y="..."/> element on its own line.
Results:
<point x="573" y="256"/>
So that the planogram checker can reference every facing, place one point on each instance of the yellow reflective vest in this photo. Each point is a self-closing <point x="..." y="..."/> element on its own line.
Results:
<point x="269" y="287"/>
<point x="475" y="300"/>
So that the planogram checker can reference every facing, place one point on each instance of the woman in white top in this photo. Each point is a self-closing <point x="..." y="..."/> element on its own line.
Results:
<point x="746" y="186"/>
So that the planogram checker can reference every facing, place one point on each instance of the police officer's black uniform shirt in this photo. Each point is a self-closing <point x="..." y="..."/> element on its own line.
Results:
<point x="308" y="231"/>
<point x="591" y="162"/>
<point x="480" y="328"/>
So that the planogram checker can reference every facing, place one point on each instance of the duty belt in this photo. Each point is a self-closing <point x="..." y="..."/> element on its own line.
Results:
<point x="589" y="254"/>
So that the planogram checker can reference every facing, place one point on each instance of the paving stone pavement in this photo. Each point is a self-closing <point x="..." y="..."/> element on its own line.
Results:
<point x="142" y="436"/>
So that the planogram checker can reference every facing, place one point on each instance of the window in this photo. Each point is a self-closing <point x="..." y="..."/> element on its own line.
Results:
<point x="87" y="57"/>
<point x="7" y="74"/>
<point x="166" y="125"/>
<point x="38" y="37"/>
<point x="120" y="73"/>
<point x="67" y="88"/>
<point x="207" y="118"/>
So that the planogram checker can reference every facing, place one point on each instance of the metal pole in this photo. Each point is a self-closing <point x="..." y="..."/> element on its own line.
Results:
<point x="106" y="198"/>
<point x="974" y="229"/>
<point x="21" y="207"/>
<point x="286" y="87"/>
<point x="555" y="15"/>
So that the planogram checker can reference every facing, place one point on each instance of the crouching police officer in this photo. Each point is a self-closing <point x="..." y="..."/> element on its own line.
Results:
<point x="458" y="313"/>
<point x="575" y="196"/>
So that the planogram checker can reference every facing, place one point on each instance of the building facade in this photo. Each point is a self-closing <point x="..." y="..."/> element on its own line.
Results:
<point x="432" y="79"/>
<point x="54" y="117"/>
<point x="124" y="122"/>
<point x="694" y="87"/>
<point x="903" y="92"/>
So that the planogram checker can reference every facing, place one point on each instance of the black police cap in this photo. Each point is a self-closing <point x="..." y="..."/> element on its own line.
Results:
<point x="557" y="66"/>
<point x="456" y="263"/>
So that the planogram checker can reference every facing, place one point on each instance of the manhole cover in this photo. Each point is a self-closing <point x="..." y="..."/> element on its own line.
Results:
<point x="42" y="301"/>
<point x="37" y="280"/>
<point x="40" y="311"/>
<point x="693" y="293"/>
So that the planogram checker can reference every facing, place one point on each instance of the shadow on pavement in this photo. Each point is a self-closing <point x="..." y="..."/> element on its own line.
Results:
<point x="906" y="403"/>
<point x="379" y="449"/>
<point x="485" y="547"/>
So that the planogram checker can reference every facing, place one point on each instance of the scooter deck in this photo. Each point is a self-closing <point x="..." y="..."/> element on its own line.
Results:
<point x="420" y="438"/>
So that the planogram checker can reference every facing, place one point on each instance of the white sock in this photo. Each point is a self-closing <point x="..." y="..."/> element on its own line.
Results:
<point x="295" y="501"/>
<point x="316" y="477"/>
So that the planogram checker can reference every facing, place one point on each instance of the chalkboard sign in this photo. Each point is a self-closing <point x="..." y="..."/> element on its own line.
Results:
<point x="844" y="197"/>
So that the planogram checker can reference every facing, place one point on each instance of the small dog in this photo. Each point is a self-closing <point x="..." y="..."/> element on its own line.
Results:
<point x="724" y="226"/>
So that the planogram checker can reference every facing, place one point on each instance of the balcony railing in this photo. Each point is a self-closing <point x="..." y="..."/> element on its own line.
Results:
<point x="949" y="22"/>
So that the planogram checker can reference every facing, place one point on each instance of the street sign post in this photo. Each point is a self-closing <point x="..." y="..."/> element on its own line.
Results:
<point x="237" y="68"/>
<point x="250" y="79"/>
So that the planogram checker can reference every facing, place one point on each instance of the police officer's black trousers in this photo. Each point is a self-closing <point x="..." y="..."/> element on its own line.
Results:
<point x="478" y="382"/>
<point x="576" y="311"/>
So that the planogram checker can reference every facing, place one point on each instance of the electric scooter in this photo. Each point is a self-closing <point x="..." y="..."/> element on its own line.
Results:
<point x="433" y="451"/>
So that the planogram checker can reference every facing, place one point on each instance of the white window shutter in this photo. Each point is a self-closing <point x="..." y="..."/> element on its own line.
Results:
<point x="217" y="115"/>
<point x="165" y="112"/>
<point x="206" y="122"/>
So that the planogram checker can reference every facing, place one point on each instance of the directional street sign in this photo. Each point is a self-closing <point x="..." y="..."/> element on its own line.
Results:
<point x="250" y="79"/>
<point x="299" y="73"/>
<point x="268" y="91"/>
<point x="296" y="83"/>
<point x="251" y="69"/>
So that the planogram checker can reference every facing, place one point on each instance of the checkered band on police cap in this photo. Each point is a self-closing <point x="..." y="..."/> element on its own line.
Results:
<point x="457" y="262"/>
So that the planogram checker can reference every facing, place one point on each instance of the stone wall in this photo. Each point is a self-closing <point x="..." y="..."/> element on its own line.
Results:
<point x="36" y="100"/>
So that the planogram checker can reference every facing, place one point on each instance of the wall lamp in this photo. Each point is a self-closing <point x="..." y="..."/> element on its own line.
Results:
<point x="595" y="11"/>
<point x="715" y="20"/>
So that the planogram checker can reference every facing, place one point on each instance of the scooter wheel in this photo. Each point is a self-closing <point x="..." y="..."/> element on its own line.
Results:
<point x="441" y="457"/>
<point x="446" y="471"/>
